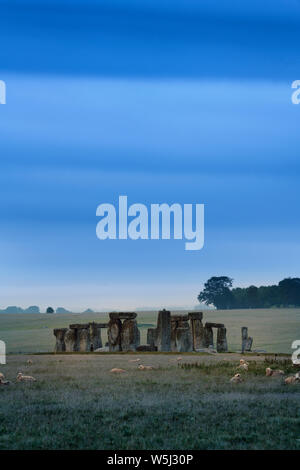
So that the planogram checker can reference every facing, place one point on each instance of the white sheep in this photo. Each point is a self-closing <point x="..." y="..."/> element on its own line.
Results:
<point x="115" y="370"/>
<point x="273" y="373"/>
<point x="142" y="367"/>
<point x="242" y="361"/>
<point x="134" y="360"/>
<point x="25" y="378"/>
<point x="243" y="366"/>
<point x="292" y="379"/>
<point x="236" y="379"/>
<point x="1" y="376"/>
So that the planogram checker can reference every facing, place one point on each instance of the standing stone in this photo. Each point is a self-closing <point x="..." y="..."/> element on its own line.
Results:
<point x="84" y="341"/>
<point x="174" y="326"/>
<point x="248" y="345"/>
<point x="208" y="336"/>
<point x="197" y="330"/>
<point x="151" y="338"/>
<point x="222" y="340"/>
<point x="164" y="330"/>
<point x="114" y="334"/>
<point x="71" y="340"/>
<point x="184" y="342"/>
<point x="60" y="345"/>
<point x="130" y="336"/>
<point x="95" y="336"/>
<point x="246" y="340"/>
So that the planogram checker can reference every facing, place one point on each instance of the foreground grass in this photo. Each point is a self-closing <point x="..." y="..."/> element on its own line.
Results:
<point x="78" y="404"/>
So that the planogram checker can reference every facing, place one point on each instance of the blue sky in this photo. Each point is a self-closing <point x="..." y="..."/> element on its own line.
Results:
<point x="163" y="101"/>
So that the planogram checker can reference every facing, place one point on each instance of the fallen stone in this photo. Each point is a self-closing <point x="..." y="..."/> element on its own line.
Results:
<point x="122" y="315"/>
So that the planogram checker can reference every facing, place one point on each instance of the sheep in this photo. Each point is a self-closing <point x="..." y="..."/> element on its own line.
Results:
<point x="243" y="366"/>
<point x="25" y="378"/>
<point x="29" y="362"/>
<point x="242" y="361"/>
<point x="1" y="376"/>
<point x="115" y="370"/>
<point x="179" y="358"/>
<point x="273" y="373"/>
<point x="236" y="379"/>
<point x="4" y="382"/>
<point x="134" y="360"/>
<point x="292" y="379"/>
<point x="141" y="367"/>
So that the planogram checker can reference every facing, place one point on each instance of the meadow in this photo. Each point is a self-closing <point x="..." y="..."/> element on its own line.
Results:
<point x="77" y="403"/>
<point x="273" y="330"/>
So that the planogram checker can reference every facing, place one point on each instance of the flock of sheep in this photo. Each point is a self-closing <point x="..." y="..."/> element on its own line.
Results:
<point x="237" y="378"/>
<point x="20" y="377"/>
<point x="292" y="379"/>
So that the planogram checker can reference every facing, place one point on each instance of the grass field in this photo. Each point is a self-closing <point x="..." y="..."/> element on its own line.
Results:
<point x="77" y="403"/>
<point x="272" y="329"/>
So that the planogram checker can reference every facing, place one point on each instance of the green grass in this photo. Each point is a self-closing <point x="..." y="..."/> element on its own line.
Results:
<point x="78" y="404"/>
<point x="272" y="329"/>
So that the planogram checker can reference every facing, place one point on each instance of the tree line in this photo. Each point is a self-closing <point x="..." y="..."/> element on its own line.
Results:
<point x="218" y="291"/>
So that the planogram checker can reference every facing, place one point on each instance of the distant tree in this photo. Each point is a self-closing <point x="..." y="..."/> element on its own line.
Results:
<point x="62" y="310"/>
<point x="217" y="292"/>
<point x="50" y="310"/>
<point x="32" y="309"/>
<point x="290" y="291"/>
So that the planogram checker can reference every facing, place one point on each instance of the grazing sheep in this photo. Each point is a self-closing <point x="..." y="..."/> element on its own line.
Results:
<point x="141" y="367"/>
<point x="4" y="382"/>
<point x="292" y="379"/>
<point x="273" y="373"/>
<point x="117" y="371"/>
<point x="242" y="361"/>
<point x="25" y="378"/>
<point x="179" y="358"/>
<point x="243" y="366"/>
<point x="134" y="360"/>
<point x="236" y="379"/>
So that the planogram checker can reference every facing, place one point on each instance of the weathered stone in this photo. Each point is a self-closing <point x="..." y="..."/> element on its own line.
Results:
<point x="184" y="341"/>
<point x="197" y="331"/>
<point x="71" y="340"/>
<point x="164" y="331"/>
<point x="59" y="333"/>
<point x="246" y="340"/>
<point x="95" y="336"/>
<point x="222" y="340"/>
<point x="79" y="326"/>
<point x="214" y="325"/>
<point x="195" y="315"/>
<point x="130" y="335"/>
<point x="83" y="338"/>
<point x="208" y="336"/>
<point x="114" y="334"/>
<point x="248" y="345"/>
<point x="151" y="337"/>
<point x="122" y="315"/>
<point x="177" y="318"/>
<point x="173" y="335"/>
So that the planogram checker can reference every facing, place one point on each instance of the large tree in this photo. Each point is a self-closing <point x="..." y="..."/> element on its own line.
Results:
<point x="217" y="292"/>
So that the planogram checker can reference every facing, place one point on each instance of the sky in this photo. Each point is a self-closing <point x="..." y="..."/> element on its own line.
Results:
<point x="162" y="101"/>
